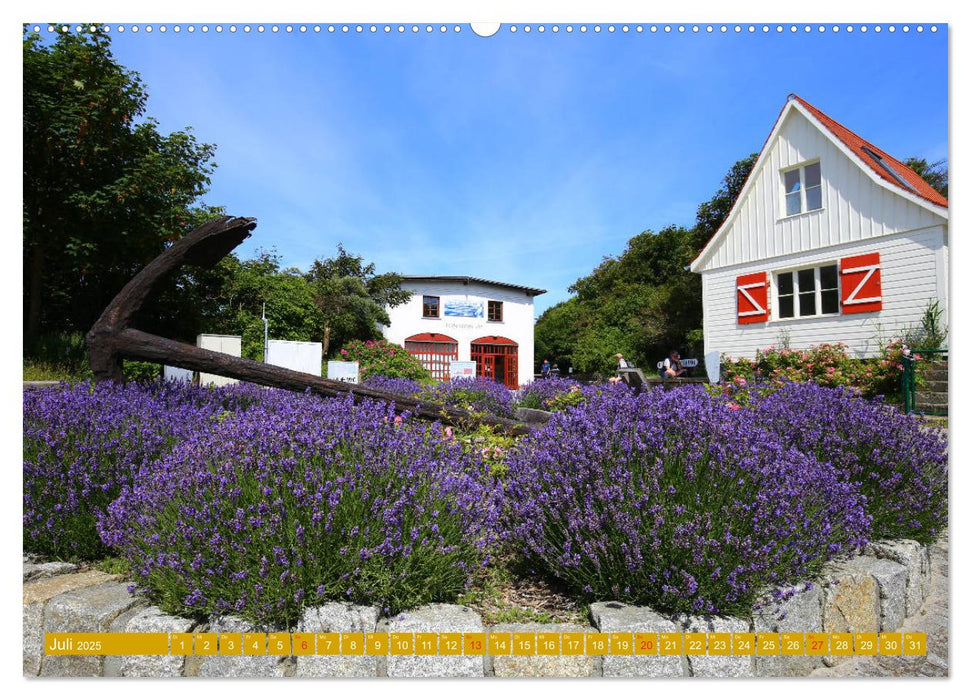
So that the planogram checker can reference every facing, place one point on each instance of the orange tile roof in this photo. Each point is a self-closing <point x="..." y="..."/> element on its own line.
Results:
<point x="857" y="144"/>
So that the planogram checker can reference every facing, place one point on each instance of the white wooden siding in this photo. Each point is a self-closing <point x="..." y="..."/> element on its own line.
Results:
<point x="855" y="208"/>
<point x="913" y="274"/>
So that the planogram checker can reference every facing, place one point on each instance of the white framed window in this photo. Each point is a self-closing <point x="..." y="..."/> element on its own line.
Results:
<point x="810" y="291"/>
<point x="802" y="188"/>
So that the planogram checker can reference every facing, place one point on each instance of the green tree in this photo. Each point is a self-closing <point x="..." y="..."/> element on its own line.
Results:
<point x="556" y="334"/>
<point x="241" y="290"/>
<point x="934" y="174"/>
<point x="352" y="299"/>
<point x="712" y="214"/>
<point x="644" y="302"/>
<point x="641" y="303"/>
<point x="104" y="191"/>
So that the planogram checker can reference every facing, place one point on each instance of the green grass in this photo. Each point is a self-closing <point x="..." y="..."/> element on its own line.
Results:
<point x="506" y="580"/>
<point x="36" y="371"/>
<point x="113" y="565"/>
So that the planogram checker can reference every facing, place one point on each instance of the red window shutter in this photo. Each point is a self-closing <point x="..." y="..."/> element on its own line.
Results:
<point x="860" y="290"/>
<point x="752" y="297"/>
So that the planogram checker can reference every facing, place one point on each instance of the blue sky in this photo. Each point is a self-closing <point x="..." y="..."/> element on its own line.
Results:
<point x="520" y="157"/>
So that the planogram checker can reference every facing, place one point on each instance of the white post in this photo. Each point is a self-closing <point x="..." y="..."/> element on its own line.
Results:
<point x="266" y="334"/>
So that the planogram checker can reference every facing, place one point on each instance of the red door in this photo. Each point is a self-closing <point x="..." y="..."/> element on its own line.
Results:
<point x="497" y="358"/>
<point x="489" y="366"/>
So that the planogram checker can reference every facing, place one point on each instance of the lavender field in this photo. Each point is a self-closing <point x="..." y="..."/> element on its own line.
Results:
<point x="263" y="502"/>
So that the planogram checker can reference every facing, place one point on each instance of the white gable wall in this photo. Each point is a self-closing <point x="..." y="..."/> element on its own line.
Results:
<point x="860" y="213"/>
<point x="855" y="207"/>
<point x="913" y="274"/>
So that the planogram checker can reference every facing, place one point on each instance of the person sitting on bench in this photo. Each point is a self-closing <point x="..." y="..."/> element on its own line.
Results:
<point x="672" y="366"/>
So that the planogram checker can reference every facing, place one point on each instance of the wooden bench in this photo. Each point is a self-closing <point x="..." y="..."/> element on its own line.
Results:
<point x="690" y="363"/>
<point x="635" y="379"/>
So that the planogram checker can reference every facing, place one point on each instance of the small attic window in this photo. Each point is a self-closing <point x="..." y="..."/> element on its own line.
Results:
<point x="888" y="168"/>
<point x="803" y="188"/>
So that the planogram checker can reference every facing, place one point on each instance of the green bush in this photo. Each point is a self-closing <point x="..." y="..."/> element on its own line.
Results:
<point x="379" y="357"/>
<point x="137" y="371"/>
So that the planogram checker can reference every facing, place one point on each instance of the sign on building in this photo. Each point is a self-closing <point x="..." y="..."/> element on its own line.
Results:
<point x="343" y="371"/>
<point x="226" y="344"/>
<point x="176" y="374"/>
<point x="297" y="355"/>
<point x="461" y="369"/>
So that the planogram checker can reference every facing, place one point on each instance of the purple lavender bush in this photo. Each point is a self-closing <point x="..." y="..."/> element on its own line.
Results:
<point x="673" y="500"/>
<point x="400" y="385"/>
<point x="84" y="443"/>
<point x="541" y="392"/>
<point x="560" y="393"/>
<point x="479" y="394"/>
<point x="898" y="462"/>
<point x="300" y="501"/>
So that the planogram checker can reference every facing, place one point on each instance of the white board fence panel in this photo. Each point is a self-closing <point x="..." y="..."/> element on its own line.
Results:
<point x="298" y="355"/>
<point x="228" y="344"/>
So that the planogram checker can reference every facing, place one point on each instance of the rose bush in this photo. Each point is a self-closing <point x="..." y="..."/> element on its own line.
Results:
<point x="379" y="357"/>
<point x="826" y="365"/>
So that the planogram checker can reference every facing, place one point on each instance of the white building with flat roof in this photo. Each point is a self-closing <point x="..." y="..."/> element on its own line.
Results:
<point x="467" y="319"/>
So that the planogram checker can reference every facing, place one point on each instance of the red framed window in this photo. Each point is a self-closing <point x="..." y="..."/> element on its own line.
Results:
<point x="495" y="310"/>
<point x="429" y="307"/>
<point x="435" y="351"/>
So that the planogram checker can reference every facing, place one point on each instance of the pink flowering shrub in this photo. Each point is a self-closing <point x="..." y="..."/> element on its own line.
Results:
<point x="379" y="357"/>
<point x="826" y="365"/>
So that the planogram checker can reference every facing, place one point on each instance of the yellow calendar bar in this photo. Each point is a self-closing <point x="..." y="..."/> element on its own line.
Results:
<point x="481" y="643"/>
<point x="106" y="644"/>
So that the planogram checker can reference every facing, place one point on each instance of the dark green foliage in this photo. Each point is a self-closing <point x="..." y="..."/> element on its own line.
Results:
<point x="104" y="191"/>
<point x="351" y="298"/>
<point x="643" y="303"/>
<point x="935" y="174"/>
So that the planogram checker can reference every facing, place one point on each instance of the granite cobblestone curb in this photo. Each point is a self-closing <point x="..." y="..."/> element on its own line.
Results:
<point x="90" y="609"/>
<point x="799" y="609"/>
<point x="237" y="666"/>
<point x="539" y="665"/>
<point x="618" y="617"/>
<point x="710" y="665"/>
<point x="893" y="585"/>
<point x="36" y="594"/>
<point x="436" y="618"/>
<point x="338" y="617"/>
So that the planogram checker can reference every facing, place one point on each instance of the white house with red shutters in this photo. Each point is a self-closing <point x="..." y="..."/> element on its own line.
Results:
<point x="830" y="240"/>
<point x="467" y="319"/>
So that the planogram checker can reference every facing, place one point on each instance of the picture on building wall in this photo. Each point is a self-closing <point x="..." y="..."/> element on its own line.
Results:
<point x="517" y="350"/>
<point x="464" y="309"/>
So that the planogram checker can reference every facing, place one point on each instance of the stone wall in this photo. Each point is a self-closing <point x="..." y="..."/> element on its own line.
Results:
<point x="885" y="589"/>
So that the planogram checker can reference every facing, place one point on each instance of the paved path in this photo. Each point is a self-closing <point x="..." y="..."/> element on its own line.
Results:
<point x="932" y="620"/>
